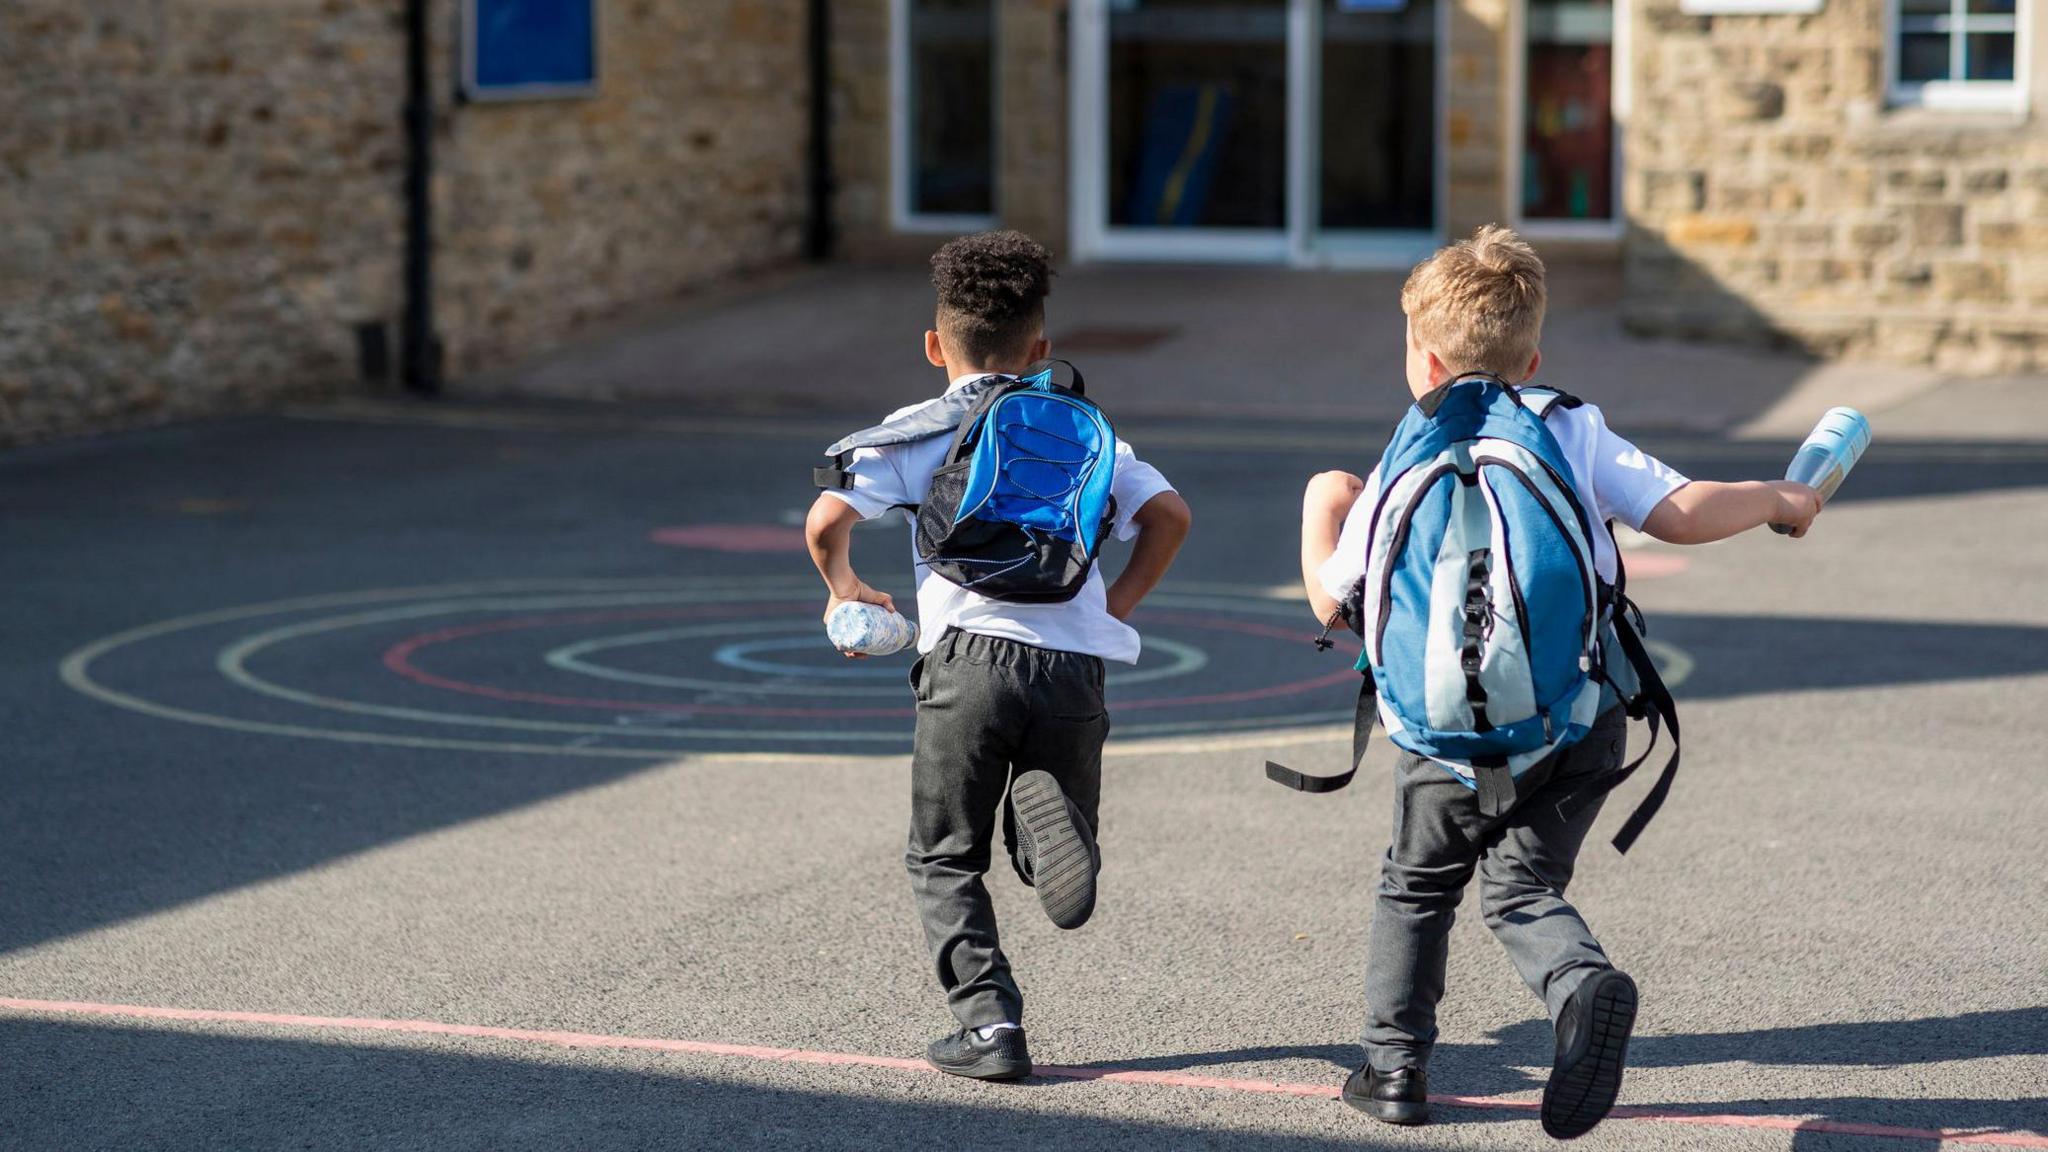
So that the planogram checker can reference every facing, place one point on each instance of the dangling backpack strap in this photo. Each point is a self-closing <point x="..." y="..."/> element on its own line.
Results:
<point x="1361" y="733"/>
<point x="1659" y="705"/>
<point x="1653" y="703"/>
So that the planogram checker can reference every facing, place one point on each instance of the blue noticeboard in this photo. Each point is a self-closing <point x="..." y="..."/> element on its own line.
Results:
<point x="526" y="49"/>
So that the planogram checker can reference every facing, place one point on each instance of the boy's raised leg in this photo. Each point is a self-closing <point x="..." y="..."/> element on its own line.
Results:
<point x="1050" y="823"/>
<point x="1529" y="862"/>
<point x="1526" y="868"/>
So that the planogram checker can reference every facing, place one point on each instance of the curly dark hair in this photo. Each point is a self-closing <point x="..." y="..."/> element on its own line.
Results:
<point x="992" y="288"/>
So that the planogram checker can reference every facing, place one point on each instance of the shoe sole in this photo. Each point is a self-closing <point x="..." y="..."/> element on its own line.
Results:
<point x="1062" y="849"/>
<point x="1582" y="1091"/>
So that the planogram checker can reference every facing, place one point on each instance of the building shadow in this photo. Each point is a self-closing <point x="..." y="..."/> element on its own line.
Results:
<point x="69" y="1085"/>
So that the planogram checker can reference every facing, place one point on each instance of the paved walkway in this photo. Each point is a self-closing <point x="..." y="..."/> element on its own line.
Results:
<point x="1242" y="344"/>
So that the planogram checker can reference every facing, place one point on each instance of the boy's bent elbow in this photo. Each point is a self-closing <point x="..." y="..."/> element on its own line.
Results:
<point x="1166" y="513"/>
<point x="827" y="518"/>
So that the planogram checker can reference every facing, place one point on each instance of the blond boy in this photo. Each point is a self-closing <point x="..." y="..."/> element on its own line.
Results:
<point x="1476" y="307"/>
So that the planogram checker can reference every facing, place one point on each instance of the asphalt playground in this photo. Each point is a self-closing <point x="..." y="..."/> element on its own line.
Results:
<point x="475" y="775"/>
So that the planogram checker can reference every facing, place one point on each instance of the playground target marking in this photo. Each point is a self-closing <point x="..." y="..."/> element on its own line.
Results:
<point x="650" y="669"/>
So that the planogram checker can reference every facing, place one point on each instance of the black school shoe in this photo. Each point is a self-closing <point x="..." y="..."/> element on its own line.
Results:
<point x="1003" y="1056"/>
<point x="1592" y="1047"/>
<point x="1055" y="849"/>
<point x="1395" y="1098"/>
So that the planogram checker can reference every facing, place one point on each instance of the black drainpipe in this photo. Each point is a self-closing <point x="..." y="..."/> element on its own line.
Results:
<point x="818" y="207"/>
<point x="421" y="347"/>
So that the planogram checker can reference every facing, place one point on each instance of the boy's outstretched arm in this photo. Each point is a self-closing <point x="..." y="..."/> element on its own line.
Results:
<point x="828" y="530"/>
<point x="1163" y="524"/>
<point x="1324" y="506"/>
<point x="1705" y="511"/>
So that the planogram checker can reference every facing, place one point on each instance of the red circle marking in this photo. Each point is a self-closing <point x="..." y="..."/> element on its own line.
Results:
<point x="398" y="658"/>
<point x="732" y="537"/>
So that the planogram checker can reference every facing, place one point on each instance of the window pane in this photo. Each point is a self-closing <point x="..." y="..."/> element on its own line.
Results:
<point x="1568" y="143"/>
<point x="1923" y="56"/>
<point x="1992" y="7"/>
<point x="1379" y="114"/>
<point x="1988" y="56"/>
<point x="952" y="122"/>
<point x="1198" y="113"/>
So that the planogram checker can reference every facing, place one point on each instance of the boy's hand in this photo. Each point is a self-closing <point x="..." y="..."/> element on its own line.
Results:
<point x="1332" y="492"/>
<point x="1797" y="506"/>
<point x="860" y="593"/>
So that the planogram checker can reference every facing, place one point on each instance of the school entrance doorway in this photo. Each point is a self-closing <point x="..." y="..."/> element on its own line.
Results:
<point x="1272" y="131"/>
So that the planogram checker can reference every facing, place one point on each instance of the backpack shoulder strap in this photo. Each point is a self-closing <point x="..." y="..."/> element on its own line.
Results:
<point x="1542" y="400"/>
<point x="1052" y="372"/>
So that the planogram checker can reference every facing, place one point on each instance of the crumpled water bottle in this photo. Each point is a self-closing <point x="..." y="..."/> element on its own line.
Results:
<point x="1830" y="450"/>
<point x="869" y="629"/>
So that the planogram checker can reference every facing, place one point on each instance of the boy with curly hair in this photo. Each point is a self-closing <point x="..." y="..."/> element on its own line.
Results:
<point x="1010" y="710"/>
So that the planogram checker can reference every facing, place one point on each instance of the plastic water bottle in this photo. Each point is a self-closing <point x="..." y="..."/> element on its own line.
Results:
<point x="869" y="629"/>
<point x="1830" y="450"/>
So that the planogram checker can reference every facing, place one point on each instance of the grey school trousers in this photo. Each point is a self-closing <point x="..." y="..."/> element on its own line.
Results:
<point x="1524" y="859"/>
<point x="986" y="707"/>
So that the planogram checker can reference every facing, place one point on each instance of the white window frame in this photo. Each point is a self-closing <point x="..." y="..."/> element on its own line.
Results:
<point x="903" y="217"/>
<point x="1618" y="95"/>
<point x="1959" y="95"/>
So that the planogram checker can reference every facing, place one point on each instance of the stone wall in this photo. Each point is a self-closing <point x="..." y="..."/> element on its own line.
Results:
<point x="202" y="198"/>
<point x="199" y="200"/>
<point x="687" y="165"/>
<point x="1772" y="197"/>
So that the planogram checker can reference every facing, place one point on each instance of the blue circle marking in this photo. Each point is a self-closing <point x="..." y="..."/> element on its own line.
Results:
<point x="740" y="656"/>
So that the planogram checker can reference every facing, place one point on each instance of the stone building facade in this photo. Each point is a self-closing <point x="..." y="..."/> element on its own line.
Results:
<point x="1771" y="185"/>
<point x="1775" y="193"/>
<point x="201" y="202"/>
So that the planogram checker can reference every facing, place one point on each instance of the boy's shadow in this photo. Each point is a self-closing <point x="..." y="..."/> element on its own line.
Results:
<point x="1491" y="1069"/>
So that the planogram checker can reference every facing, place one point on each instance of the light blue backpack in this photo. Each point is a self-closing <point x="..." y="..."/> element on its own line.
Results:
<point x="1486" y="625"/>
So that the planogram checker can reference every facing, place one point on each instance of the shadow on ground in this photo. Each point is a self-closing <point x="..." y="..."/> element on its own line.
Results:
<point x="73" y="1086"/>
<point x="1496" y="1068"/>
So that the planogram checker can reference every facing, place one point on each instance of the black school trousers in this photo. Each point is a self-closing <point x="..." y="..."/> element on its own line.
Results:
<point x="988" y="708"/>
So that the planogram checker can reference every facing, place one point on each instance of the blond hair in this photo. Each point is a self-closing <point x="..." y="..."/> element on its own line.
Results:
<point x="1478" y="304"/>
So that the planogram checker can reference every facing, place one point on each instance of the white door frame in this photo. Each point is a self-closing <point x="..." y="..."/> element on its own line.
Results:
<point x="1618" y="94"/>
<point x="1300" y="242"/>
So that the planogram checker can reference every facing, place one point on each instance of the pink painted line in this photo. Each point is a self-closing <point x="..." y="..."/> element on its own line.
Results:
<point x="862" y="1060"/>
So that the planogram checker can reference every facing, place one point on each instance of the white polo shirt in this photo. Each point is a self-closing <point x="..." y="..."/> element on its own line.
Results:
<point x="1615" y="480"/>
<point x="897" y="474"/>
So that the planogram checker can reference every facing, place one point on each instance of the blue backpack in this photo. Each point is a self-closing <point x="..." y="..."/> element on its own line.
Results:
<point x="1487" y="629"/>
<point x="1021" y="504"/>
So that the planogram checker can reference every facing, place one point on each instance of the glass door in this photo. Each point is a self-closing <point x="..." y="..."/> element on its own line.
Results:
<point x="1376" y="170"/>
<point x="1185" y="152"/>
<point x="1300" y="131"/>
